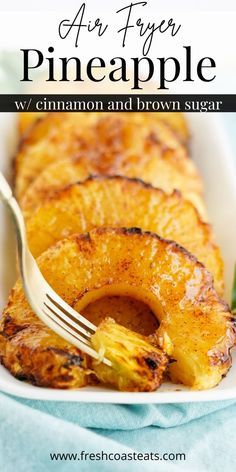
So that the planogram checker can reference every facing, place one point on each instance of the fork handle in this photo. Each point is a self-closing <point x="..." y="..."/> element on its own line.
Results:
<point x="5" y="189"/>
<point x="8" y="198"/>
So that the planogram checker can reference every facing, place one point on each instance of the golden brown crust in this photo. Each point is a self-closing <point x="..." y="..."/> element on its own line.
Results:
<point x="47" y="367"/>
<point x="127" y="144"/>
<point x="176" y="121"/>
<point x="34" y="353"/>
<point x="119" y="201"/>
<point x="159" y="173"/>
<point x="130" y="262"/>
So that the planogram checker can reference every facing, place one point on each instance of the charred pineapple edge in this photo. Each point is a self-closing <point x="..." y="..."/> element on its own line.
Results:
<point x="84" y="364"/>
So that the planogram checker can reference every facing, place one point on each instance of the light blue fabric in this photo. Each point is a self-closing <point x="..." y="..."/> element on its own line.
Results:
<point x="31" y="430"/>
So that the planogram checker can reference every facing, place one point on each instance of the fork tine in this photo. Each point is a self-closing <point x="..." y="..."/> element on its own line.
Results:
<point x="36" y="292"/>
<point x="58" y="311"/>
<point x="73" y="330"/>
<point x="73" y="337"/>
<point x="61" y="304"/>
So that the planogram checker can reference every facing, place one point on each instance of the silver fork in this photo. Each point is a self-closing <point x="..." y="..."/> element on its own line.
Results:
<point x="44" y="301"/>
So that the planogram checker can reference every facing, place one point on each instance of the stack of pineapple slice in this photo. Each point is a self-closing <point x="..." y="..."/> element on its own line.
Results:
<point x="115" y="214"/>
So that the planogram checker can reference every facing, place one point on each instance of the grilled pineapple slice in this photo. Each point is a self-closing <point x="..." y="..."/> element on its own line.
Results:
<point x="175" y="120"/>
<point x="136" y="364"/>
<point x="158" y="172"/>
<point x="127" y="144"/>
<point x="119" y="201"/>
<point x="32" y="352"/>
<point x="127" y="262"/>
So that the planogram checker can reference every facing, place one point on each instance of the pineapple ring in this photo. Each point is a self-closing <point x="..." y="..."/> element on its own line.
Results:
<point x="159" y="172"/>
<point x="158" y="272"/>
<point x="175" y="120"/>
<point x="127" y="144"/>
<point x="119" y="201"/>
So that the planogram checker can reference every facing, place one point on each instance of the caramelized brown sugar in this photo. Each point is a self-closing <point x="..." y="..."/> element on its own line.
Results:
<point x="119" y="201"/>
<point x="129" y="144"/>
<point x="127" y="262"/>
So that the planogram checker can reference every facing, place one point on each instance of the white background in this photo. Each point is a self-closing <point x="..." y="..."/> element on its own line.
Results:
<point x="189" y="5"/>
<point x="210" y="33"/>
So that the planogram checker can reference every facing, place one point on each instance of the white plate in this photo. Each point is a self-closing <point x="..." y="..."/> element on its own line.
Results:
<point x="211" y="152"/>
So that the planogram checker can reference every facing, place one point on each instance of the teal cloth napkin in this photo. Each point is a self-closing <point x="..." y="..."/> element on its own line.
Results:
<point x="32" y="430"/>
